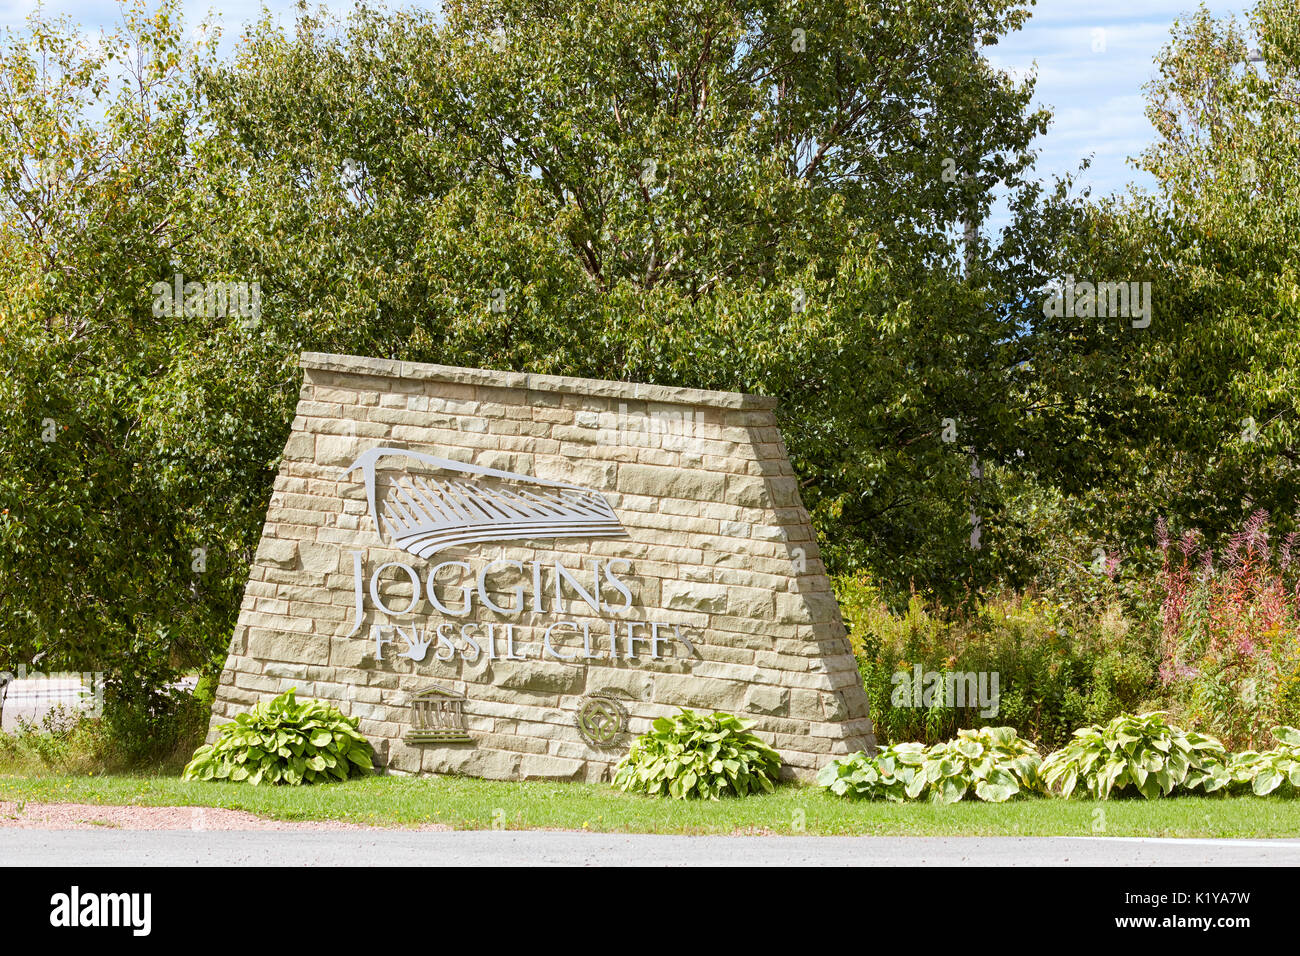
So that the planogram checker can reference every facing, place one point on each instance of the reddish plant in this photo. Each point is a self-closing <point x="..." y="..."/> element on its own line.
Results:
<point x="1229" y="633"/>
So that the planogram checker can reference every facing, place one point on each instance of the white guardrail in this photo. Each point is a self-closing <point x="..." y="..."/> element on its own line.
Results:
<point x="32" y="698"/>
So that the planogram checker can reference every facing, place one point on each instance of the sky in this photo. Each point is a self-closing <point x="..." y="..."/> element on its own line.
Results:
<point x="1093" y="58"/>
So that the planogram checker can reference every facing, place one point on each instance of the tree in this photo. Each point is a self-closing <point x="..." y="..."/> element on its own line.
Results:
<point x="102" y="548"/>
<point x="732" y="195"/>
<point x="722" y="195"/>
<point x="1207" y="396"/>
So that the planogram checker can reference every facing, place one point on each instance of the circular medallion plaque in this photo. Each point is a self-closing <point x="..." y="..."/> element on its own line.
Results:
<point x="602" y="720"/>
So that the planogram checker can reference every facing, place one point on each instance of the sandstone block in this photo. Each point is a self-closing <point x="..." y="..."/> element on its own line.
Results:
<point x="715" y="546"/>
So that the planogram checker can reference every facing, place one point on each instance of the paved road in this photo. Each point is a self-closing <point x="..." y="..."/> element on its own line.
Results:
<point x="562" y="848"/>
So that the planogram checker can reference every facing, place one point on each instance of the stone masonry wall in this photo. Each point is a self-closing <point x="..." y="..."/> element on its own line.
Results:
<point x="718" y="543"/>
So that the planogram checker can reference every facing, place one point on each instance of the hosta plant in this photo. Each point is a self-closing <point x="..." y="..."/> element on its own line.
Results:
<point x="886" y="775"/>
<point x="695" y="755"/>
<point x="1277" y="769"/>
<point x="993" y="763"/>
<point x="285" y="741"/>
<point x="1140" y="753"/>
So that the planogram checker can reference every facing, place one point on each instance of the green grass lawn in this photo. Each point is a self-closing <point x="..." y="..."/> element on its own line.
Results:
<point x="471" y="804"/>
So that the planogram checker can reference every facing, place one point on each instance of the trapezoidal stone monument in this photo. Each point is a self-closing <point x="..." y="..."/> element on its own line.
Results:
<point x="510" y="575"/>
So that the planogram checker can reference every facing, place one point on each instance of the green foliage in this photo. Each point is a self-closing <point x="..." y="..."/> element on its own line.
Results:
<point x="1141" y="754"/>
<point x="162" y="731"/>
<point x="691" y="755"/>
<point x="888" y="774"/>
<point x="664" y="193"/>
<point x="1059" y="663"/>
<point x="74" y="743"/>
<point x="993" y="763"/>
<point x="148" y="718"/>
<point x="284" y="741"/>
<point x="99" y="520"/>
<point x="1273" y="770"/>
<point x="669" y="194"/>
<point x="1199" y="417"/>
<point x="50" y="743"/>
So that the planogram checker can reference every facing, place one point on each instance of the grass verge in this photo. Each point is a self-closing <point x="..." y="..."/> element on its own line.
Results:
<point x="466" y="803"/>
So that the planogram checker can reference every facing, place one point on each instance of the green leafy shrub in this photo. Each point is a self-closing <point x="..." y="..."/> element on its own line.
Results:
<point x="887" y="775"/>
<point x="72" y="742"/>
<point x="994" y="763"/>
<point x="1273" y="770"/>
<point x="691" y="755"/>
<point x="285" y="741"/>
<point x="160" y="732"/>
<point x="50" y="743"/>
<point x="1140" y="753"/>
<point x="1060" y="664"/>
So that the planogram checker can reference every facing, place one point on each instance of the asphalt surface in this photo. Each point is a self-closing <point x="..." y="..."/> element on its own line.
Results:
<point x="564" y="848"/>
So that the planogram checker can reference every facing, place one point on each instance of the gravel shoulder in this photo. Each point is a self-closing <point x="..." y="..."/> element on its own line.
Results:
<point x="91" y="816"/>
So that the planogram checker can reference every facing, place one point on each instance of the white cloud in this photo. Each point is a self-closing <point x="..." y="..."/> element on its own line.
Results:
<point x="14" y="12"/>
<point x="1096" y="96"/>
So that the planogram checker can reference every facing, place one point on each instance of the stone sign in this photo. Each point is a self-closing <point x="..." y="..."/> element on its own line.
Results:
<point x="511" y="576"/>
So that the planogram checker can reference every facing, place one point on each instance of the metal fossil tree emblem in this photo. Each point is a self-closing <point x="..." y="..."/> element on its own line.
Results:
<point x="602" y="720"/>
<point x="426" y="515"/>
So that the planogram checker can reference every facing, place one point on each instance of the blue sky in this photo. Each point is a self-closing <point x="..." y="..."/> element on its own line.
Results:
<point x="1096" y="96"/>
<point x="1093" y="58"/>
